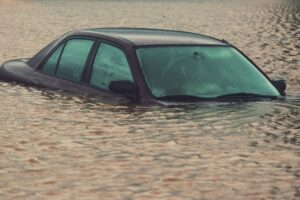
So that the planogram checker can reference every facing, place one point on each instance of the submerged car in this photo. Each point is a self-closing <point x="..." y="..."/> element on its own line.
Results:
<point x="145" y="66"/>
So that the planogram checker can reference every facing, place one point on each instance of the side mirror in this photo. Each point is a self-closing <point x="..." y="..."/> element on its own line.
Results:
<point x="126" y="88"/>
<point x="280" y="85"/>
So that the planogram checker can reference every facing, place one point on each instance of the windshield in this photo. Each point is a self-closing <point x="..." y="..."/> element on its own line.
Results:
<point x="201" y="71"/>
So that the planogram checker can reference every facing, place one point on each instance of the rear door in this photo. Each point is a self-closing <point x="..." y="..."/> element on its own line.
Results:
<point x="65" y="66"/>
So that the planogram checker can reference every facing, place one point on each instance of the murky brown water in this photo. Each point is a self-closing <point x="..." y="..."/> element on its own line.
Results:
<point x="62" y="146"/>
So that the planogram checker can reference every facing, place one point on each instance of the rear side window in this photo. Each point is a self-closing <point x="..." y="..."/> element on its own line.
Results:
<point x="69" y="59"/>
<point x="73" y="59"/>
<point x="50" y="66"/>
<point x="110" y="65"/>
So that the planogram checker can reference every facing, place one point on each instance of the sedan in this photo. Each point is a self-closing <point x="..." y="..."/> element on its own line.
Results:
<point x="145" y="66"/>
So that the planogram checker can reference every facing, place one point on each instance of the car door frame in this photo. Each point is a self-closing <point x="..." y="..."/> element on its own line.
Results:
<point x="87" y="88"/>
<point x="54" y="81"/>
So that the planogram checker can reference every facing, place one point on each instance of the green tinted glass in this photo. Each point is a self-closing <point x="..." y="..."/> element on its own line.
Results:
<point x="73" y="59"/>
<point x="50" y="65"/>
<point x="110" y="65"/>
<point x="201" y="71"/>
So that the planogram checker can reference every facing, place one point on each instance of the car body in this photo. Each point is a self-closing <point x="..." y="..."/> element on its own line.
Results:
<point x="138" y="64"/>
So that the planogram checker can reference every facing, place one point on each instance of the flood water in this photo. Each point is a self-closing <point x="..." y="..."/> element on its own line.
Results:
<point x="55" y="145"/>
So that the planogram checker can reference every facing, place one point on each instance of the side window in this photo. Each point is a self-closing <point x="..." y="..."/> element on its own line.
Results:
<point x="73" y="58"/>
<point x="110" y="65"/>
<point x="50" y="65"/>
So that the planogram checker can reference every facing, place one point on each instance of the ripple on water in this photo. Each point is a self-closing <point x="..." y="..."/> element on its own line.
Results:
<point x="62" y="146"/>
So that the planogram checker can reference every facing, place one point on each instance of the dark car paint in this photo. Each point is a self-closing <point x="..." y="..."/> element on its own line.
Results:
<point x="16" y="70"/>
<point x="28" y="71"/>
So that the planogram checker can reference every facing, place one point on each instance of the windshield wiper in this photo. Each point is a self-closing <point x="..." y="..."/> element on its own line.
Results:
<point x="186" y="98"/>
<point x="232" y="96"/>
<point x="245" y="96"/>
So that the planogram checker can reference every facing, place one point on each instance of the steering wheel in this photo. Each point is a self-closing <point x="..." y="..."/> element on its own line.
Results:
<point x="175" y="76"/>
<point x="174" y="69"/>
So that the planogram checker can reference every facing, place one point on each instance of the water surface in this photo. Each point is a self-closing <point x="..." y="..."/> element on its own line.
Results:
<point x="55" y="145"/>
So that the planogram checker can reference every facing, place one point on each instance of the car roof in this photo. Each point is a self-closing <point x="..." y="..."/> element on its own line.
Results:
<point x="145" y="36"/>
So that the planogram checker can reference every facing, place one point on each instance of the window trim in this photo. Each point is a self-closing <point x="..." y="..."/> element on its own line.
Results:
<point x="59" y="57"/>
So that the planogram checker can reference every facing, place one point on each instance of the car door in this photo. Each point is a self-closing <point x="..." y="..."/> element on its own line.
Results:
<point x="110" y="64"/>
<point x="64" y="68"/>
